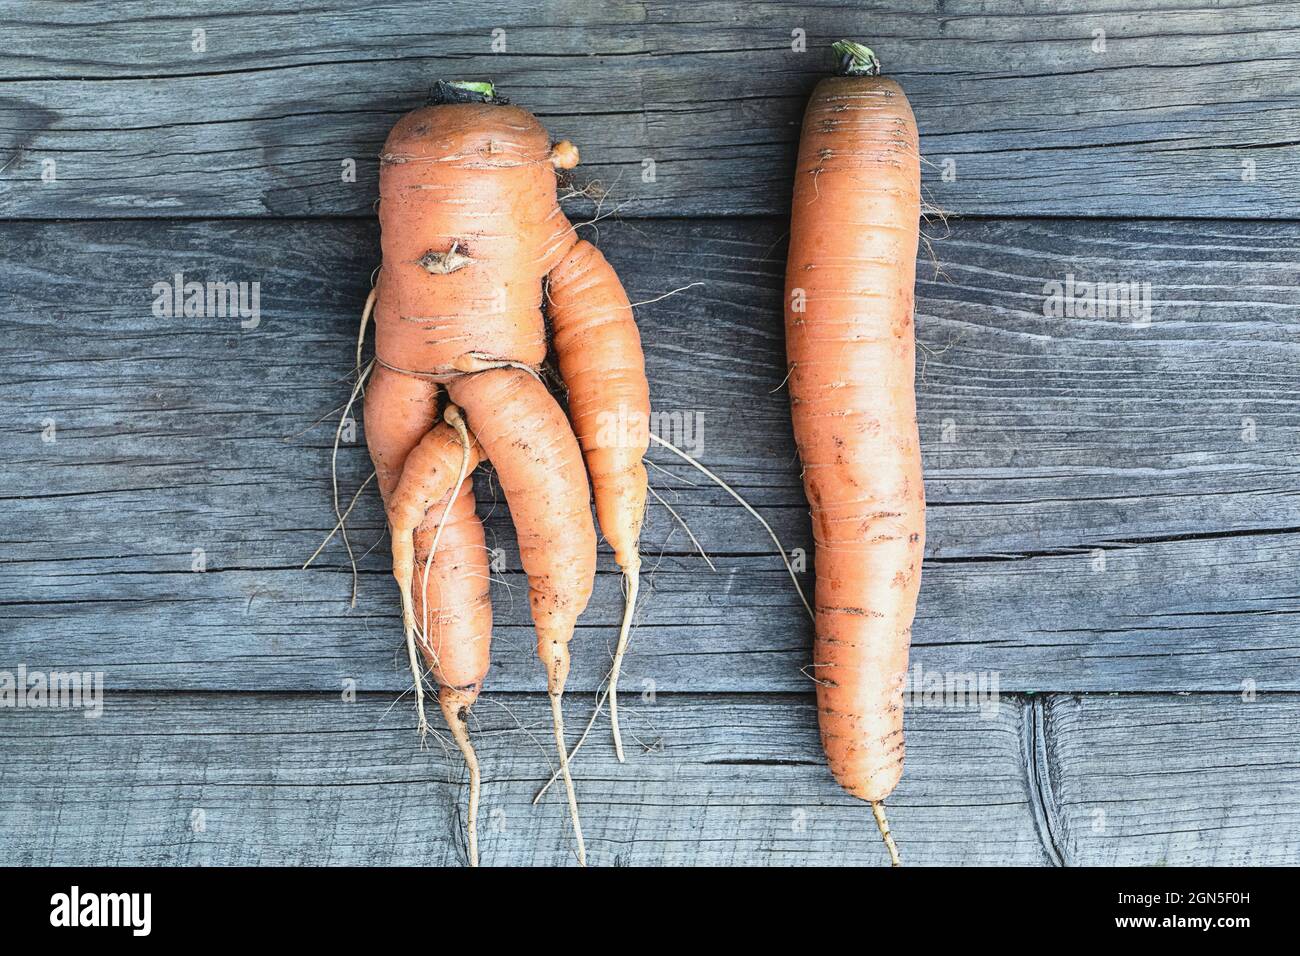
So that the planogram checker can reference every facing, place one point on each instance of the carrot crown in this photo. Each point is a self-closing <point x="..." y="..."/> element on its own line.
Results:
<point x="855" y="59"/>
<point x="463" y="91"/>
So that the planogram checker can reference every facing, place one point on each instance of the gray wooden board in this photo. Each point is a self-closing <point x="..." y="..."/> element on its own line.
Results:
<point x="275" y="779"/>
<point x="296" y="779"/>
<point x="1171" y="781"/>
<point x="1184" y="107"/>
<point x="1113" y="508"/>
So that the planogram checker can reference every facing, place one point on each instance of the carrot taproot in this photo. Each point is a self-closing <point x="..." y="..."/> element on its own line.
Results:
<point x="471" y="229"/>
<point x="850" y="345"/>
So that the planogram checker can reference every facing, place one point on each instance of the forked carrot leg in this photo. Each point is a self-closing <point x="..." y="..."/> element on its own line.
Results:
<point x="437" y="464"/>
<point x="453" y="609"/>
<point x="399" y="412"/>
<point x="599" y="352"/>
<point x="523" y="431"/>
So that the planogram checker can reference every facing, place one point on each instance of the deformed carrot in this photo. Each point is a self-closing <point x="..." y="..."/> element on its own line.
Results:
<point x="471" y="231"/>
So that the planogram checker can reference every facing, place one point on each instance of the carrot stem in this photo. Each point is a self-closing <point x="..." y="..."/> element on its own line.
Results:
<point x="855" y="59"/>
<point x="486" y="89"/>
<point x="463" y="91"/>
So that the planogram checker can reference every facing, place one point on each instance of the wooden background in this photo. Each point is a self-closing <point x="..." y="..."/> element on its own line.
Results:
<point x="1113" y="506"/>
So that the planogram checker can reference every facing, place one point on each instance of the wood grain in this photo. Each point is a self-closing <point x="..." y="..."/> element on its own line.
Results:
<point x="1172" y="107"/>
<point x="1200" y="780"/>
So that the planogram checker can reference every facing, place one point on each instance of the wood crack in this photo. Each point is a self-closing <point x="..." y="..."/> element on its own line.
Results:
<point x="1038" y="778"/>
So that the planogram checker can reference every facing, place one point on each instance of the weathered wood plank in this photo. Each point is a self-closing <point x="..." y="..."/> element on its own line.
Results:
<point x="1057" y="413"/>
<point x="1113" y="511"/>
<point x="288" y="780"/>
<point x="1172" y="781"/>
<point x="273" y="779"/>
<point x="1173" y="616"/>
<point x="1182" y="106"/>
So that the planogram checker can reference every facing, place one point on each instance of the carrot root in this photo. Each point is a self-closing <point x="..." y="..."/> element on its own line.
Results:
<point x="557" y="671"/>
<point x="403" y="561"/>
<point x="586" y="732"/>
<point x="339" y="524"/>
<point x="455" y="708"/>
<point x="366" y="312"/>
<point x="408" y="625"/>
<point x="557" y="718"/>
<point x="850" y="318"/>
<point x="632" y="576"/>
<point x="785" y="557"/>
<point x="357" y="389"/>
<point x="878" y="811"/>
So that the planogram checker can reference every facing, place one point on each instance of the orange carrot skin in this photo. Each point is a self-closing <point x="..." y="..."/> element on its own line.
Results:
<point x="399" y="410"/>
<point x="850" y="344"/>
<point x="416" y="471"/>
<point x="471" y="228"/>
<point x="428" y="474"/>
<point x="524" y="433"/>
<point x="599" y="352"/>
<point x="457" y="597"/>
<point x="475" y="181"/>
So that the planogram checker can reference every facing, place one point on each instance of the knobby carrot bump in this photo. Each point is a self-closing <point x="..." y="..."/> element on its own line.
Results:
<point x="473" y="239"/>
<point x="849" y="310"/>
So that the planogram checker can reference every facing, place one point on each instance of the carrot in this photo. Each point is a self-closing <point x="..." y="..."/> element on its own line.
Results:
<point x="599" y="353"/>
<point x="471" y="231"/>
<point x="455" y="610"/>
<point x="850" y="345"/>
<point x="525" y="435"/>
